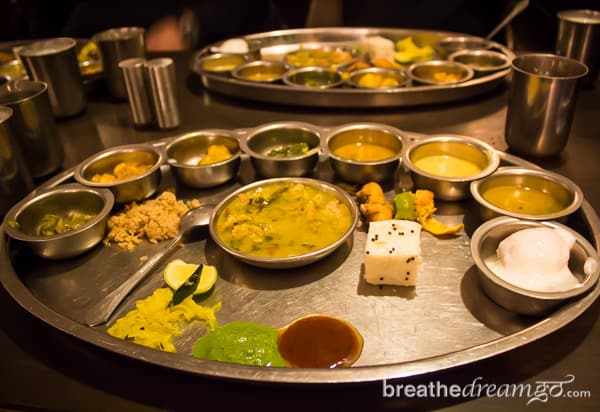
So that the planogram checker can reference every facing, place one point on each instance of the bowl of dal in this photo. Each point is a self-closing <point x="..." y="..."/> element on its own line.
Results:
<point x="447" y="164"/>
<point x="482" y="61"/>
<point x="440" y="72"/>
<point x="364" y="152"/>
<point x="284" y="222"/>
<point x="204" y="159"/>
<point x="260" y="71"/>
<point x="524" y="193"/>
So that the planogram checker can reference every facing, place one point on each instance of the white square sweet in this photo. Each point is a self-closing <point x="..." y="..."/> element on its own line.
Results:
<point x="393" y="253"/>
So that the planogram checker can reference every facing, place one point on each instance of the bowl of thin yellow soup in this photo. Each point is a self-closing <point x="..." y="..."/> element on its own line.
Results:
<point x="364" y="152"/>
<point x="447" y="164"/>
<point x="284" y="222"/>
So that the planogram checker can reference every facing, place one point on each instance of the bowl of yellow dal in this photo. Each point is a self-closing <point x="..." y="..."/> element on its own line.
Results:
<point x="447" y="164"/>
<point x="524" y="193"/>
<point x="364" y="152"/>
<point x="284" y="222"/>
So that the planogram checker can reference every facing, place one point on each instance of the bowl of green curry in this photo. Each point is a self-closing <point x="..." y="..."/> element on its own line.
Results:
<point x="60" y="222"/>
<point x="284" y="222"/>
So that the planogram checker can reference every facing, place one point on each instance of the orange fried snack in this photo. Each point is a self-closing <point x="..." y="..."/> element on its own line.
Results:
<point x="372" y="203"/>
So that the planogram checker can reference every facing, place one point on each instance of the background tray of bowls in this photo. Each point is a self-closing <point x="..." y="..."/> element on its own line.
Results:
<point x="472" y="74"/>
<point x="446" y="320"/>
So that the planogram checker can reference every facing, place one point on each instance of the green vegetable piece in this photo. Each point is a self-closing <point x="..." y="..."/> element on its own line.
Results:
<point x="404" y="206"/>
<point x="289" y="150"/>
<point x="188" y="287"/>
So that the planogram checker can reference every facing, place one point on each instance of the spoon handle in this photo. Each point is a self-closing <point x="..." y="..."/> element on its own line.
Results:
<point x="100" y="312"/>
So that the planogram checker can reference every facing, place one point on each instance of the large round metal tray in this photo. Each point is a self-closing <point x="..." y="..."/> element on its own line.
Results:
<point x="276" y="43"/>
<point x="444" y="322"/>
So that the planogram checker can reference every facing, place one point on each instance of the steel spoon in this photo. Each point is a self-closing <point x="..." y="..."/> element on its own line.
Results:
<point x="517" y="9"/>
<point x="100" y="312"/>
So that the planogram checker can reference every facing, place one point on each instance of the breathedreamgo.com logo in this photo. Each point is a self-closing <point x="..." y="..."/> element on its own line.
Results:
<point x="540" y="391"/>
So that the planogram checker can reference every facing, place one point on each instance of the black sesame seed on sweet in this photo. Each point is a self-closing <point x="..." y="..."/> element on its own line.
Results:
<point x="367" y="252"/>
<point x="381" y="278"/>
<point x="407" y="273"/>
<point x="412" y="231"/>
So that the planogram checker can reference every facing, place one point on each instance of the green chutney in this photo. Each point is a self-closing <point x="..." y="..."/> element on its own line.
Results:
<point x="245" y="343"/>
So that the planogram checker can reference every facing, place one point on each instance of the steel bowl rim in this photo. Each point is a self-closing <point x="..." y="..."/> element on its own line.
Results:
<point x="105" y="195"/>
<point x="266" y="63"/>
<point x="520" y="170"/>
<point x="205" y="132"/>
<point x="493" y="156"/>
<point x="366" y="70"/>
<point x="320" y="69"/>
<point x="85" y="164"/>
<point x="215" y="56"/>
<point x="281" y="125"/>
<point x="308" y="258"/>
<point x="364" y="125"/>
<point x="483" y="52"/>
<point x="469" y="70"/>
<point x="483" y="230"/>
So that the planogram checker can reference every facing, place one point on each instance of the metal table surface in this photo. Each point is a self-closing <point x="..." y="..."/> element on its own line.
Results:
<point x="45" y="369"/>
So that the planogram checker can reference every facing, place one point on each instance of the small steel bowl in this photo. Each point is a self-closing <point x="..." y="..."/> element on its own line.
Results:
<point x="220" y="62"/>
<point x="562" y="190"/>
<point x="260" y="71"/>
<point x="292" y="261"/>
<point x="128" y="190"/>
<point x="583" y="263"/>
<point x="350" y="52"/>
<point x="482" y="61"/>
<point x="380" y="76"/>
<point x="465" y="148"/>
<point x="355" y="171"/>
<point x="313" y="78"/>
<point x="13" y="69"/>
<point x="23" y="219"/>
<point x="261" y="141"/>
<point x="426" y="72"/>
<point x="184" y="152"/>
<point x="450" y="44"/>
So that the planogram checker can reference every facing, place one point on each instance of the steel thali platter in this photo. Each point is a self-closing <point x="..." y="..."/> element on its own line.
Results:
<point x="444" y="322"/>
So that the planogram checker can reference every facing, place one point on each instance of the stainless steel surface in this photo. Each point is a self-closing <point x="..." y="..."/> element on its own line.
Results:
<point x="55" y="62"/>
<point x="339" y="247"/>
<point x="100" y="312"/>
<point x="275" y="44"/>
<point x="15" y="179"/>
<point x="398" y="75"/>
<point x="516" y="10"/>
<point x="30" y="211"/>
<point x="115" y="45"/>
<point x="354" y="171"/>
<point x="313" y="78"/>
<point x="553" y="184"/>
<point x="481" y="61"/>
<point x="425" y="72"/>
<point x="445" y="322"/>
<point x="184" y="152"/>
<point x="137" y="84"/>
<point x="462" y="147"/>
<point x="541" y="103"/>
<point x="579" y="38"/>
<point x="131" y="189"/>
<point x="161" y="73"/>
<point x="583" y="263"/>
<point x="34" y="125"/>
<point x="220" y="62"/>
<point x="258" y="143"/>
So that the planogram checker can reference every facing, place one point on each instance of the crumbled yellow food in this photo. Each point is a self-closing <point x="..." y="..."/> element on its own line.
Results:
<point x="122" y="171"/>
<point x="214" y="154"/>
<point x="376" y="80"/>
<point x="155" y="219"/>
<point x="409" y="52"/>
<point x="372" y="203"/>
<point x="153" y="323"/>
